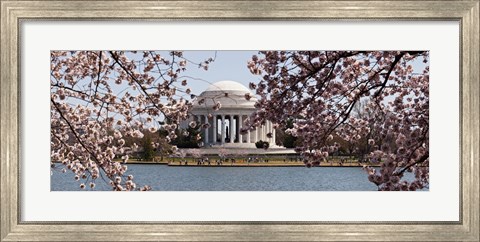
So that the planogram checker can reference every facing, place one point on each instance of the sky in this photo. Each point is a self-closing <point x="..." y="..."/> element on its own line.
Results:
<point x="228" y="65"/>
<point x="231" y="65"/>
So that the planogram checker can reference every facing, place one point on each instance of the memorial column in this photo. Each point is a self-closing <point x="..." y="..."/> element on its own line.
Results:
<point x="223" y="130"/>
<point x="231" y="129"/>
<point x="240" y="125"/>
<point x="215" y="131"/>
<point x="206" y="130"/>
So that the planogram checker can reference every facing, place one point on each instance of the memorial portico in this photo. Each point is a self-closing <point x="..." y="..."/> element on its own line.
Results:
<point x="225" y="123"/>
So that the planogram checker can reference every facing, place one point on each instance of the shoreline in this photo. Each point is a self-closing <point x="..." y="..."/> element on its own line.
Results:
<point x="195" y="165"/>
<point x="296" y="164"/>
<point x="273" y="164"/>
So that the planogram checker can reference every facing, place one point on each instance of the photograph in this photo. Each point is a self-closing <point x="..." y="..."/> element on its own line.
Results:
<point x="239" y="120"/>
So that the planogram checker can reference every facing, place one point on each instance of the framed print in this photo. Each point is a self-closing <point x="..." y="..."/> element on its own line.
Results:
<point x="240" y="120"/>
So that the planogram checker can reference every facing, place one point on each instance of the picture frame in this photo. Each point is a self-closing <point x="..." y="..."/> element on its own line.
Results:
<point x="13" y="12"/>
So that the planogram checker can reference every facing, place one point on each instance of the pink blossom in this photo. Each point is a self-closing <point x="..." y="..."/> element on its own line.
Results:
<point x="371" y="142"/>
<point x="217" y="106"/>
<point x="137" y="134"/>
<point x="360" y="96"/>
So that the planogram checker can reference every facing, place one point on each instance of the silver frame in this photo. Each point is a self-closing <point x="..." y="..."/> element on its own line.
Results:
<point x="466" y="12"/>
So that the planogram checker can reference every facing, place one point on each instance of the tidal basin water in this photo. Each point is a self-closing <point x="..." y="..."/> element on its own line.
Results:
<point x="169" y="178"/>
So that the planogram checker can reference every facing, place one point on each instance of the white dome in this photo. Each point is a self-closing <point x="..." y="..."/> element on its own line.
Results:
<point x="227" y="86"/>
<point x="230" y="94"/>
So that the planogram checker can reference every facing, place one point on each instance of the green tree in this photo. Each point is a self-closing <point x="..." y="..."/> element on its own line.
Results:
<point x="289" y="141"/>
<point x="164" y="147"/>
<point x="148" y="150"/>
<point x="187" y="138"/>
<point x="262" y="144"/>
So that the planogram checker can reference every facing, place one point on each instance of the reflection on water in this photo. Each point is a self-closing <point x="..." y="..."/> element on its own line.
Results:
<point x="165" y="178"/>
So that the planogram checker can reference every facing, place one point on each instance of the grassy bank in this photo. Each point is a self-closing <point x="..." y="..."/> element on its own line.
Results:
<point x="244" y="163"/>
<point x="291" y="164"/>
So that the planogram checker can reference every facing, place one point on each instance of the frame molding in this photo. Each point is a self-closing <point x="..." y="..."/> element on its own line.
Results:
<point x="13" y="12"/>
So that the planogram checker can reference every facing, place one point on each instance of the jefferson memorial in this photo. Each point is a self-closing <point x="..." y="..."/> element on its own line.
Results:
<point x="226" y="122"/>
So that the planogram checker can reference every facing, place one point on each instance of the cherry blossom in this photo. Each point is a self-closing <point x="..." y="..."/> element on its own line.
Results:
<point x="321" y="89"/>
<point x="100" y="98"/>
